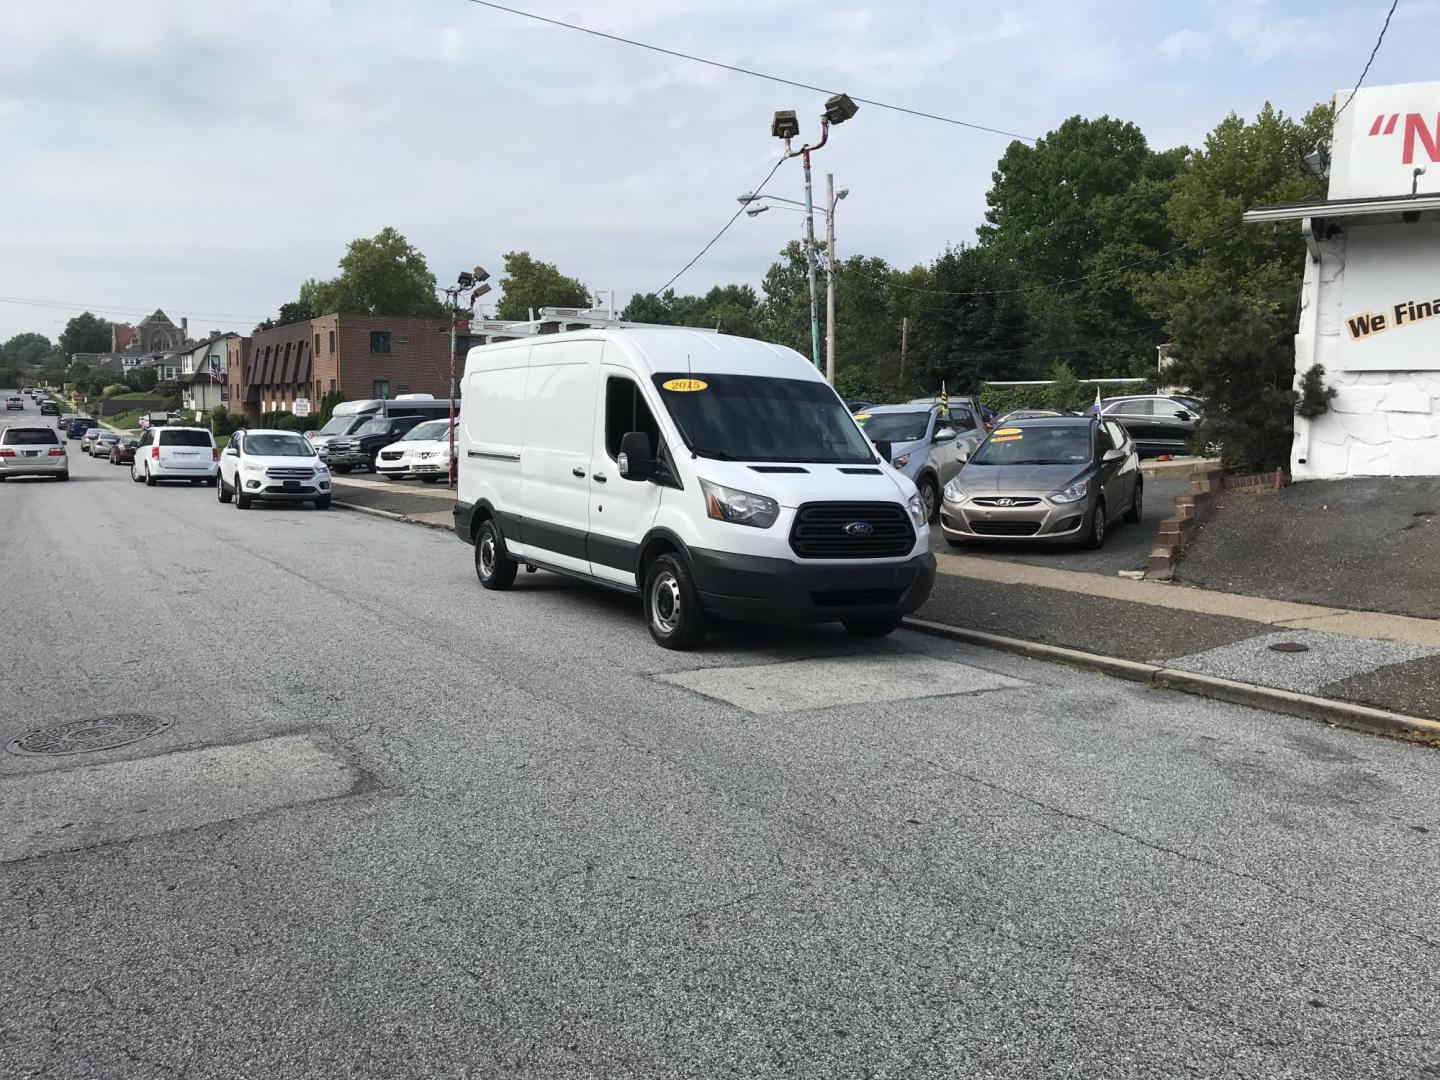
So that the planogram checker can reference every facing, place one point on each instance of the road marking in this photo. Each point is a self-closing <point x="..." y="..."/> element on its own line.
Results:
<point x="116" y="801"/>
<point x="819" y="684"/>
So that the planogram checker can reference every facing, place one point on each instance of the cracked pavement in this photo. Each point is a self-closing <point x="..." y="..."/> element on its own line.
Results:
<point x="560" y="864"/>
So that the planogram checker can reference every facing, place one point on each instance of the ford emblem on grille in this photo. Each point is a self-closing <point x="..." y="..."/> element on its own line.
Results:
<point x="859" y="528"/>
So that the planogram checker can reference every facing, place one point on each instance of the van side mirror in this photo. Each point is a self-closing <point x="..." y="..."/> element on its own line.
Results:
<point x="882" y="447"/>
<point x="637" y="456"/>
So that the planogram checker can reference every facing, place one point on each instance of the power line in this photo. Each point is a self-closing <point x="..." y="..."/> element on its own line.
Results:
<point x="1394" y="4"/>
<point x="68" y="305"/>
<point x="747" y="71"/>
<point x="843" y="268"/>
<point x="743" y="207"/>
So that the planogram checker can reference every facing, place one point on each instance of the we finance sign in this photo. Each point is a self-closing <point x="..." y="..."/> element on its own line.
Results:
<point x="1383" y="136"/>
<point x="1390" y="301"/>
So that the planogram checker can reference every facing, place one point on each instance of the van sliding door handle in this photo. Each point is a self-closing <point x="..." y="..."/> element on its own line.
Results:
<point x="578" y="472"/>
<point x="599" y="477"/>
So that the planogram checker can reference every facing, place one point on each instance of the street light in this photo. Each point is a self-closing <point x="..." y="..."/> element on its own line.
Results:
<point x="466" y="279"/>
<point x="838" y="109"/>
<point x="765" y="202"/>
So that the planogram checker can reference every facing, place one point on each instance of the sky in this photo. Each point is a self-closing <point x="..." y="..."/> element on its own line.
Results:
<point x="207" y="156"/>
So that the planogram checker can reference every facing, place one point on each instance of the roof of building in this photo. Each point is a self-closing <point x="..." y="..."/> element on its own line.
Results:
<point x="1377" y="207"/>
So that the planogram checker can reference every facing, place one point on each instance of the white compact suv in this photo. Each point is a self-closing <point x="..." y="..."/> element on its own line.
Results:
<point x="272" y="466"/>
<point x="711" y="474"/>
<point x="175" y="453"/>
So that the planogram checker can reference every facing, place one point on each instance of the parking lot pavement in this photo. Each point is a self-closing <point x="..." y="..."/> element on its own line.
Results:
<point x="1127" y="547"/>
<point x="456" y="833"/>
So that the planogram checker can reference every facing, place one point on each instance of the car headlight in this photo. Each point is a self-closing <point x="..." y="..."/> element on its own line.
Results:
<point x="739" y="507"/>
<point x="954" y="492"/>
<point x="901" y="461"/>
<point x="917" y="511"/>
<point x="321" y="470"/>
<point x="1073" y="493"/>
<point x="251" y="466"/>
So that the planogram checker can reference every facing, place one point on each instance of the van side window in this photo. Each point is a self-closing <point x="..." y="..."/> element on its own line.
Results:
<point x="625" y="411"/>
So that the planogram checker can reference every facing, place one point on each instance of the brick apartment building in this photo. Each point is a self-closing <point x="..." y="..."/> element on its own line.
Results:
<point x="362" y="356"/>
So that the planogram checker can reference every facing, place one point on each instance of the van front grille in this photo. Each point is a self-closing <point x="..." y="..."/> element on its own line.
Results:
<point x="852" y="530"/>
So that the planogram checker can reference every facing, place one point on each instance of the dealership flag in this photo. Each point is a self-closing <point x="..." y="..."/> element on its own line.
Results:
<point x="944" y="399"/>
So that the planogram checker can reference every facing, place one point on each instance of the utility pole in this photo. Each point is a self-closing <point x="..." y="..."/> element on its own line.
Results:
<point x="830" y="278"/>
<point x="468" y="279"/>
<point x="904" y="347"/>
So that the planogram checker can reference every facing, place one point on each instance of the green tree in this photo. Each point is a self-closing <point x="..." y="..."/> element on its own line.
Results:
<point x="968" y="326"/>
<point x="142" y="379"/>
<point x="530" y="284"/>
<point x="379" y="275"/>
<point x="25" y="350"/>
<point x="85" y="333"/>
<point x="1240" y="358"/>
<point x="1243" y="164"/>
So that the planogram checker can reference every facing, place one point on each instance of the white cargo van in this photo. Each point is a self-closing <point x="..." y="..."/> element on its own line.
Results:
<point x="713" y="475"/>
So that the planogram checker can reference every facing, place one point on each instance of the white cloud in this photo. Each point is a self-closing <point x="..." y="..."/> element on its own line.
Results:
<point x="1181" y="43"/>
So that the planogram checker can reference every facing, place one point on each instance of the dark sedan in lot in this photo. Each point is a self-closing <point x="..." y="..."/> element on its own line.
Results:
<point x="1159" y="424"/>
<point x="1048" y="480"/>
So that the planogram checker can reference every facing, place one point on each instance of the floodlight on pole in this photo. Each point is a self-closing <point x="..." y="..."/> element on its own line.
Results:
<point x="840" y="108"/>
<point x="785" y="125"/>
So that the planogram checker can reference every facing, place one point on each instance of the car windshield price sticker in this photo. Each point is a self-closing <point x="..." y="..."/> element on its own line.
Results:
<point x="1009" y="434"/>
<point x="685" y="386"/>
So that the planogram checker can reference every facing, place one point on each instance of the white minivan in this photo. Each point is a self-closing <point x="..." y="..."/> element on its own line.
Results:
<point x="711" y="474"/>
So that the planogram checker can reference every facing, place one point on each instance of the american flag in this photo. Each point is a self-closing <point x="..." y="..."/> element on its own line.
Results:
<point x="215" y="375"/>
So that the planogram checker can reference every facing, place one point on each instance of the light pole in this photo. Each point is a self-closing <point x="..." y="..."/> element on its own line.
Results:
<point x="468" y="279"/>
<point x="838" y="109"/>
<point x="832" y="199"/>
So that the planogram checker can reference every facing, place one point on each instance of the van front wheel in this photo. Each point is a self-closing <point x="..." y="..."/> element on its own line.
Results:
<point x="494" y="568"/>
<point x="672" y="604"/>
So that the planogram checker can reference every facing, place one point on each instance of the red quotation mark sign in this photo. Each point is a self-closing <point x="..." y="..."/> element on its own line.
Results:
<point x="1416" y="131"/>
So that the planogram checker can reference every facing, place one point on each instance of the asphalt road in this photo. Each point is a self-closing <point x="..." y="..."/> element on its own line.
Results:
<point x="400" y="827"/>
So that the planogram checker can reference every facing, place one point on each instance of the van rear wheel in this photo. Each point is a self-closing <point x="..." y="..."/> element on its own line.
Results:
<point x="672" y="604"/>
<point x="495" y="569"/>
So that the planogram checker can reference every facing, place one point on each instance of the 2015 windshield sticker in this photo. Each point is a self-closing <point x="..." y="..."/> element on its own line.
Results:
<point x="1000" y="436"/>
<point x="685" y="386"/>
<point x="860" y="418"/>
<point x="1010" y="431"/>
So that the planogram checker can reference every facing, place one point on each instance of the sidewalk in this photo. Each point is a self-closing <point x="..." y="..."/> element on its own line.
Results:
<point x="1385" y="661"/>
<point x="423" y="504"/>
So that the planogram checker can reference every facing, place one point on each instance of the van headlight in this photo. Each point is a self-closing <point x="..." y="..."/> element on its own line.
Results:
<point x="917" y="511"/>
<point x="739" y="507"/>
<point x="1073" y="493"/>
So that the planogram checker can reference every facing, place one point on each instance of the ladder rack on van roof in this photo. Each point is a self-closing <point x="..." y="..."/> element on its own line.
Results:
<point x="558" y="320"/>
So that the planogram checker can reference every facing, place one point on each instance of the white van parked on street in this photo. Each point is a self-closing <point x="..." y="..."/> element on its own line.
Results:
<point x="713" y="475"/>
<point x="176" y="453"/>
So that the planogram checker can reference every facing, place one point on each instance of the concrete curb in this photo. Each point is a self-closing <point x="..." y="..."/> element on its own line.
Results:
<point x="390" y="515"/>
<point x="1306" y="706"/>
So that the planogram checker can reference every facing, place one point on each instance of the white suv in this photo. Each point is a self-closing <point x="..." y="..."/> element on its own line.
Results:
<point x="272" y="466"/>
<point x="176" y="453"/>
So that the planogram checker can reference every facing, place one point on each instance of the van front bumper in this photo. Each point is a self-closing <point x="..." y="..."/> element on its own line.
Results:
<point x="759" y="589"/>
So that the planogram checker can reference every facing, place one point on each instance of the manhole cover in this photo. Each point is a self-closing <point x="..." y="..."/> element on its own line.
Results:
<point x="85" y="736"/>
<point x="1289" y="646"/>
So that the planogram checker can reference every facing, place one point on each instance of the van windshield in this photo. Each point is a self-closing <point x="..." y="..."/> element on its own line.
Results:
<point x="758" y="418"/>
<point x="341" y="425"/>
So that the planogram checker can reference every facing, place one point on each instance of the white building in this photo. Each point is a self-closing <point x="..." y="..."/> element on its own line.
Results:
<point x="203" y="369"/>
<point x="1370" y="303"/>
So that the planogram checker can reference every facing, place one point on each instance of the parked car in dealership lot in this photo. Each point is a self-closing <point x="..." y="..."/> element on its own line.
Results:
<point x="350" y="416"/>
<point x="396" y="460"/>
<point x="32" y="451"/>
<point x="79" y="426"/>
<point x="272" y="466"/>
<point x="924" y="445"/>
<point x="100" y="445"/>
<point x="1159" y="424"/>
<point x="432" y="463"/>
<point x="1029" y="414"/>
<point x="361" y="449"/>
<point x="175" y="453"/>
<point x="1050" y="479"/>
<point x="122" y="451"/>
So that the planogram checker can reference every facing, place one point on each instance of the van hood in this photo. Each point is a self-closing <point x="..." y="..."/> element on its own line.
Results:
<point x="794" y="483"/>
